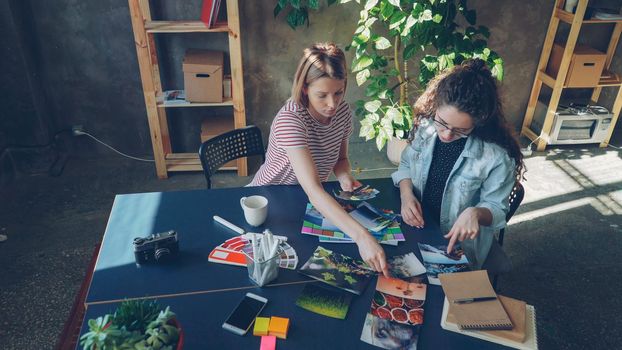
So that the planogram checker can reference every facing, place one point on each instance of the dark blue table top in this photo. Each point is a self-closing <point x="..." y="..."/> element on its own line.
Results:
<point x="203" y="293"/>
<point x="201" y="317"/>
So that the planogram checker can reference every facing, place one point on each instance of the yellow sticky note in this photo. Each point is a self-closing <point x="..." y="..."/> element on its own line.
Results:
<point x="261" y="326"/>
<point x="279" y="327"/>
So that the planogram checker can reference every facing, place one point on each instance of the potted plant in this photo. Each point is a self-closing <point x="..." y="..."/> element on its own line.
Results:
<point x="393" y="33"/>
<point x="135" y="325"/>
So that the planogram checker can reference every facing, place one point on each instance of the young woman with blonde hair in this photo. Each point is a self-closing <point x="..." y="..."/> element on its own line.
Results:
<point x="309" y="141"/>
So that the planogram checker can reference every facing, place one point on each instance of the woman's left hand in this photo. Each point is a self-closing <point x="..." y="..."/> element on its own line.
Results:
<point x="348" y="183"/>
<point x="465" y="227"/>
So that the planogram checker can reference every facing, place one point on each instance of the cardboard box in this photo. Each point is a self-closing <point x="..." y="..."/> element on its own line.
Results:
<point x="203" y="75"/>
<point x="214" y="126"/>
<point x="586" y="65"/>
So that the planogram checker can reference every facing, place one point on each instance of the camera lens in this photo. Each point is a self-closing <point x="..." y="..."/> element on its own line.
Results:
<point x="162" y="254"/>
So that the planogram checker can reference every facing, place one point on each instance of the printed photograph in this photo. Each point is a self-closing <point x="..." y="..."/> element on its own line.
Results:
<point x="324" y="301"/>
<point x="360" y="194"/>
<point x="389" y="335"/>
<point x="372" y="218"/>
<point x="338" y="270"/>
<point x="438" y="254"/>
<point x="436" y="261"/>
<point x="405" y="266"/>
<point x="401" y="288"/>
<point x="397" y="309"/>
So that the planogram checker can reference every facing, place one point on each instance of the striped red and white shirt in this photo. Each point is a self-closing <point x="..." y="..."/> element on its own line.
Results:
<point x="294" y="127"/>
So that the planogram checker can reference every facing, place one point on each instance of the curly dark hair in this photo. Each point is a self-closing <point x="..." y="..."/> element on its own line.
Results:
<point x="471" y="88"/>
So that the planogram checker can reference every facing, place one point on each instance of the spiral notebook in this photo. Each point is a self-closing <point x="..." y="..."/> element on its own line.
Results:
<point x="474" y="285"/>
<point x="524" y="336"/>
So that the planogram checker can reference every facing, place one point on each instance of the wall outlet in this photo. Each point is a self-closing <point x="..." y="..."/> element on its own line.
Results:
<point x="77" y="130"/>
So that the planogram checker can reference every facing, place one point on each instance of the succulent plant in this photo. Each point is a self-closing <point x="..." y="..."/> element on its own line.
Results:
<point x="135" y="315"/>
<point x="135" y="325"/>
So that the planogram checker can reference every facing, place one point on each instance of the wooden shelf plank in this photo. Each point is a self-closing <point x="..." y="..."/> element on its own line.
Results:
<point x="526" y="131"/>
<point x="225" y="102"/>
<point x="546" y="79"/>
<point x="568" y="17"/>
<point x="183" y="27"/>
<point x="612" y="81"/>
<point x="188" y="162"/>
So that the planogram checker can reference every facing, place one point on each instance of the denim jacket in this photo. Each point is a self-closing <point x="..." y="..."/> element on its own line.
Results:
<point x="483" y="176"/>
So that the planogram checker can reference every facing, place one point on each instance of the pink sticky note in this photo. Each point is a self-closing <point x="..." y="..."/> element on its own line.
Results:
<point x="268" y="342"/>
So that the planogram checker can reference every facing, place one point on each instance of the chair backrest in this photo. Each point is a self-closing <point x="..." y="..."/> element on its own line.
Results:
<point x="231" y="145"/>
<point x="516" y="197"/>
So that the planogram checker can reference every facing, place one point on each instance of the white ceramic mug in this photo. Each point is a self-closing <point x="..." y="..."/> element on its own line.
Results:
<point x="255" y="209"/>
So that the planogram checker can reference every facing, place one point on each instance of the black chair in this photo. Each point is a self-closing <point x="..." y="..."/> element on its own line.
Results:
<point x="516" y="197"/>
<point x="231" y="145"/>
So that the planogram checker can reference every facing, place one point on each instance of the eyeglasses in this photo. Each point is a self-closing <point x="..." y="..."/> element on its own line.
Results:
<point x="441" y="125"/>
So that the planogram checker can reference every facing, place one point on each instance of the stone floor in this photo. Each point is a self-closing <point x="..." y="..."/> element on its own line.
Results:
<point x="564" y="241"/>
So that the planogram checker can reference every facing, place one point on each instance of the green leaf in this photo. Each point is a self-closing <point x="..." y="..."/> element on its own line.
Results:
<point x="314" y="4"/>
<point x="382" y="43"/>
<point x="484" y="31"/>
<point x="410" y="21"/>
<point x="426" y="15"/>
<point x="410" y="51"/>
<point x="372" y="106"/>
<point x="395" y="3"/>
<point x="361" y="77"/>
<point x="373" y="118"/>
<point x="381" y="139"/>
<point x="295" y="3"/>
<point x="437" y="18"/>
<point x="394" y="115"/>
<point x="370" y="4"/>
<point x="470" y="16"/>
<point x="386" y="10"/>
<point x="277" y="9"/>
<point x="361" y="63"/>
<point x="396" y="20"/>
<point x="497" y="69"/>
<point x="370" y="21"/>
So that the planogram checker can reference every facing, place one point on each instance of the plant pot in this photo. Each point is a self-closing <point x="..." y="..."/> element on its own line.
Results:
<point x="180" y="341"/>
<point x="395" y="147"/>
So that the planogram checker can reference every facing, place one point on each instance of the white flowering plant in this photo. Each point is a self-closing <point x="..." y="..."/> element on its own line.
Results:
<point x="392" y="33"/>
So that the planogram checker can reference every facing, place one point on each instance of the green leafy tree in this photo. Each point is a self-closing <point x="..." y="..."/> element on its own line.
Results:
<point x="298" y="10"/>
<point x="393" y="33"/>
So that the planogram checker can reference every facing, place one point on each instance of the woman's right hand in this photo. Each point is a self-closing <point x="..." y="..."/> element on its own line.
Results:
<point x="373" y="254"/>
<point x="411" y="211"/>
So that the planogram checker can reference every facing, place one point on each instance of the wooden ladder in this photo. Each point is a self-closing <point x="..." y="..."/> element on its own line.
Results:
<point x="557" y="84"/>
<point x="144" y="30"/>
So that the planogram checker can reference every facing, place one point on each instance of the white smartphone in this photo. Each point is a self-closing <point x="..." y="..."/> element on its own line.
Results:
<point x="242" y="318"/>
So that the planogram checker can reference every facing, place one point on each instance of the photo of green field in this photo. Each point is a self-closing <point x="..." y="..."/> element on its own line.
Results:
<point x="320" y="300"/>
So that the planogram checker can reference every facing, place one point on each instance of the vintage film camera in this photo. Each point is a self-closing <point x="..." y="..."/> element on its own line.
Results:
<point x="158" y="247"/>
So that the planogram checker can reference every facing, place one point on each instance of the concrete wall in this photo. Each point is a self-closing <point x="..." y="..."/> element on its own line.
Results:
<point x="74" y="62"/>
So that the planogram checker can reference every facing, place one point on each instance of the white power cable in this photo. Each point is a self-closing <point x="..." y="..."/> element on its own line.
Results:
<point x="376" y="169"/>
<point x="112" y="148"/>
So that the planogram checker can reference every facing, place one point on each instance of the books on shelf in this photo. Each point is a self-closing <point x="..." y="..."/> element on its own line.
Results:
<point x="523" y="336"/>
<point x="209" y="12"/>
